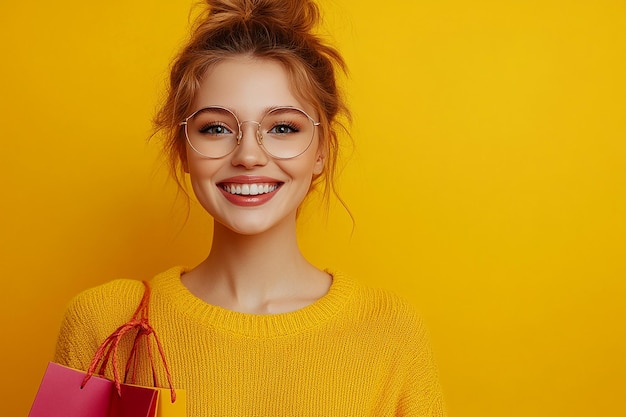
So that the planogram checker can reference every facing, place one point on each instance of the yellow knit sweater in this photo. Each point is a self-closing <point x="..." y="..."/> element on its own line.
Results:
<point x="355" y="352"/>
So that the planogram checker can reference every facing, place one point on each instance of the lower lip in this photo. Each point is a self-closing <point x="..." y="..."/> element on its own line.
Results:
<point x="249" y="200"/>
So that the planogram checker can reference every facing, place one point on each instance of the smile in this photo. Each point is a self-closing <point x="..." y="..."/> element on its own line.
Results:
<point x="248" y="189"/>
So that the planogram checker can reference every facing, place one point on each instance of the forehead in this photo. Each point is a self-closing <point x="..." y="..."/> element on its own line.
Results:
<point x="248" y="86"/>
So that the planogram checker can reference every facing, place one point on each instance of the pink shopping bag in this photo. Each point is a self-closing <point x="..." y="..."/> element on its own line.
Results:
<point x="62" y="394"/>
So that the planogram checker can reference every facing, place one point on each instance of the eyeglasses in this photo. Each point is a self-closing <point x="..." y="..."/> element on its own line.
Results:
<point x="284" y="132"/>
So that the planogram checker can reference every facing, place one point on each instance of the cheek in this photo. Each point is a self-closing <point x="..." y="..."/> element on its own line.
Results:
<point x="198" y="167"/>
<point x="303" y="173"/>
<point x="201" y="172"/>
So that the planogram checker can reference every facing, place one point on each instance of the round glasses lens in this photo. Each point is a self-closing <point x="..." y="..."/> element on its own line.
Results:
<point x="286" y="132"/>
<point x="212" y="132"/>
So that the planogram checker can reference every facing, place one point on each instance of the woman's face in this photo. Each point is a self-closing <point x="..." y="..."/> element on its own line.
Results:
<point x="249" y="191"/>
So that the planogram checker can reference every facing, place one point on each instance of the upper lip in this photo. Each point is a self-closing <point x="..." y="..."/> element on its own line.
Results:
<point x="249" y="179"/>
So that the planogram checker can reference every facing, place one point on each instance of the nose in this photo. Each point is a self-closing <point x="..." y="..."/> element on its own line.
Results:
<point x="249" y="152"/>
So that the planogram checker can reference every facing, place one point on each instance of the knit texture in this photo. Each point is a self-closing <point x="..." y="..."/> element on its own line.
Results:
<point x="355" y="352"/>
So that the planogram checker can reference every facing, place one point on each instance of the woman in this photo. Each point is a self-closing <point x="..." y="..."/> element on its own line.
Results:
<point x="255" y="329"/>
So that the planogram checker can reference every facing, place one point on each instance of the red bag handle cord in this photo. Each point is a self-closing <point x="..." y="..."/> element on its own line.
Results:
<point x="110" y="346"/>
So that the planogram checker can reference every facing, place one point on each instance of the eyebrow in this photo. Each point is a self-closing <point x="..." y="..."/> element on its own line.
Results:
<point x="264" y="111"/>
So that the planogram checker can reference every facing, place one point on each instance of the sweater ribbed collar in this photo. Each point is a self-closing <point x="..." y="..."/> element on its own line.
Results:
<point x="169" y="286"/>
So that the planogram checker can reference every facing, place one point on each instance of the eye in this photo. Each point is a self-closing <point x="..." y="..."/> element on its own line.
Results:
<point x="284" y="128"/>
<point x="215" y="129"/>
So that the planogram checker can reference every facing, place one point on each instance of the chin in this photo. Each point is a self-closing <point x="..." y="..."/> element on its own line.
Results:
<point x="254" y="225"/>
<point x="247" y="230"/>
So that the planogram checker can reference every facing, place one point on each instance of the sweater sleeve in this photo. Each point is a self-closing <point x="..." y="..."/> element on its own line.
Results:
<point x="91" y="316"/>
<point x="421" y="394"/>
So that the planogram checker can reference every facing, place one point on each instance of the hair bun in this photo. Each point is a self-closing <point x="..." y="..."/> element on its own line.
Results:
<point x="289" y="15"/>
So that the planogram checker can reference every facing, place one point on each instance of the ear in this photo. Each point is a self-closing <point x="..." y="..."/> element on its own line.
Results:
<point x="318" y="168"/>
<point x="184" y="163"/>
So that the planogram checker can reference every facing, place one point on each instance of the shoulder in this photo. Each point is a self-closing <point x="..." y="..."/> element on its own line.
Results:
<point x="91" y="316"/>
<point x="383" y="307"/>
<point x="121" y="296"/>
<point x="105" y="307"/>
<point x="114" y="298"/>
<point x="95" y="313"/>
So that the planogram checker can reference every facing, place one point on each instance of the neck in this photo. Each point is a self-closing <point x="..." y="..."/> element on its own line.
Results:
<point x="264" y="257"/>
<point x="259" y="273"/>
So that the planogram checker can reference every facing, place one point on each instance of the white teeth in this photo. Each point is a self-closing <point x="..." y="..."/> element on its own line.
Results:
<point x="249" y="189"/>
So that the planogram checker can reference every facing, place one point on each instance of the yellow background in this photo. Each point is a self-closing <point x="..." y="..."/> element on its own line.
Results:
<point x="487" y="183"/>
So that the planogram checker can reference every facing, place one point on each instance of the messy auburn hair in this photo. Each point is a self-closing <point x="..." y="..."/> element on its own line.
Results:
<point x="280" y="30"/>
